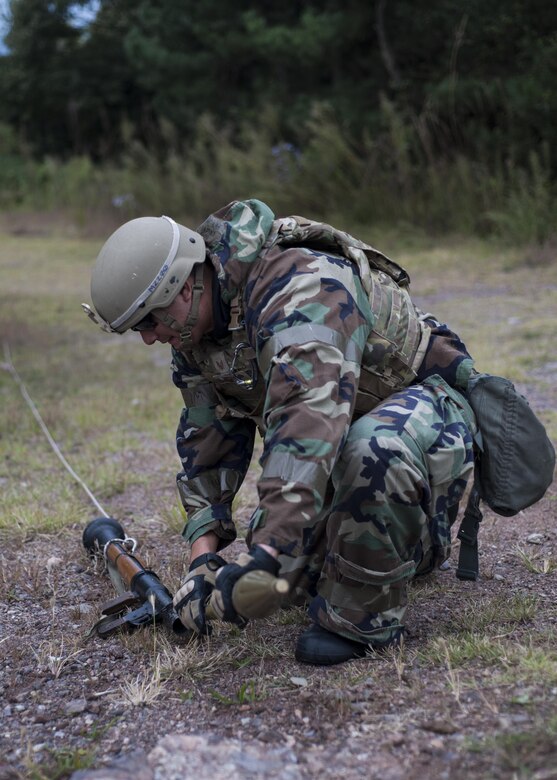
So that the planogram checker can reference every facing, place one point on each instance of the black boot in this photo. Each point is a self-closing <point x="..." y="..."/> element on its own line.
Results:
<point x="319" y="646"/>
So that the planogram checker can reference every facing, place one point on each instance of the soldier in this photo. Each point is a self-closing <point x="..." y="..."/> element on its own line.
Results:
<point x="302" y="331"/>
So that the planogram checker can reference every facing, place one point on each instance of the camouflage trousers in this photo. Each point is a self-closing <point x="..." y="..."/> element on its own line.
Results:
<point x="388" y="512"/>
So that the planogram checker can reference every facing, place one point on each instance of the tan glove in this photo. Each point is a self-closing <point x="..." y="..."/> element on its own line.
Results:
<point x="190" y="600"/>
<point x="224" y="600"/>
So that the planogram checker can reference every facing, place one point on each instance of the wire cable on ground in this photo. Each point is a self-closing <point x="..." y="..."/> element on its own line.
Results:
<point x="9" y="366"/>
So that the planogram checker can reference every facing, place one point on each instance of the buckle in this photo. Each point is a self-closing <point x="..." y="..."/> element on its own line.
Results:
<point x="103" y="325"/>
<point x="468" y="538"/>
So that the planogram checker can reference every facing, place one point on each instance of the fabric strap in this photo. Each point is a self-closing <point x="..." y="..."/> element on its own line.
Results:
<point x="468" y="564"/>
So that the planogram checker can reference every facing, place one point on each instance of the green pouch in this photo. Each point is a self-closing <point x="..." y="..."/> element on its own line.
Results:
<point x="516" y="457"/>
<point x="515" y="460"/>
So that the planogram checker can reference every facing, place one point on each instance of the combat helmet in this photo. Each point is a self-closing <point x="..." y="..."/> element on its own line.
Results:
<point x="141" y="267"/>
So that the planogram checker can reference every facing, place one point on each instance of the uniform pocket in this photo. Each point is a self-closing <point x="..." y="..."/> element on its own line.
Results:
<point x="354" y="587"/>
<point x="348" y="571"/>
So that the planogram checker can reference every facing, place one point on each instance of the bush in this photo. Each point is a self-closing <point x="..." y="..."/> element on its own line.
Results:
<point x="386" y="180"/>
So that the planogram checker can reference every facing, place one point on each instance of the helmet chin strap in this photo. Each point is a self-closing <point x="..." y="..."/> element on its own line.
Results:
<point x="186" y="328"/>
<point x="196" y="293"/>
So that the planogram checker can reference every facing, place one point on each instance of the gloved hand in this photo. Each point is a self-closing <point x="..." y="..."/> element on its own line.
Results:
<point x="189" y="601"/>
<point x="221" y="601"/>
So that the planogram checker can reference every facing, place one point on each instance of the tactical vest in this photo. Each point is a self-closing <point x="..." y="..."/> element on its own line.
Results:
<point x="230" y="379"/>
<point x="398" y="341"/>
<point x="394" y="350"/>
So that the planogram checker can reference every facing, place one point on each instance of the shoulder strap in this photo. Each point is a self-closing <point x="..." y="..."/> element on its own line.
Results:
<point x="468" y="535"/>
<point x="299" y="231"/>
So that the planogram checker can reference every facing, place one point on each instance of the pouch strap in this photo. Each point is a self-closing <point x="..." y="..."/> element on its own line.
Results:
<point x="468" y="535"/>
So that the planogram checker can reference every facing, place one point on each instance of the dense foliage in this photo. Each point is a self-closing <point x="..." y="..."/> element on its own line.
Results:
<point x="475" y="74"/>
<point x="405" y="87"/>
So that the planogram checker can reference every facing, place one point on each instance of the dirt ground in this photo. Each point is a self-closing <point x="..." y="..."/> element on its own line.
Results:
<point x="387" y="717"/>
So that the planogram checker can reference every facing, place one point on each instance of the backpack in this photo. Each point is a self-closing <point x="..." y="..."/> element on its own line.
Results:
<point x="515" y="460"/>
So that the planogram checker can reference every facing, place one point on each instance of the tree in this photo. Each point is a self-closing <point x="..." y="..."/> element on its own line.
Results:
<point x="39" y="77"/>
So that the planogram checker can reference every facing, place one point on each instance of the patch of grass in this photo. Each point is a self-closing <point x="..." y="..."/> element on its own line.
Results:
<point x="528" y="754"/>
<point x="174" y="517"/>
<point x="495" y="614"/>
<point x="291" y="616"/>
<point x="110" y="479"/>
<point x="102" y="399"/>
<point x="28" y="576"/>
<point x="506" y="331"/>
<point x="401" y="660"/>
<point x="60" y="764"/>
<point x="249" y="692"/>
<point x="535" y="563"/>
<point x="196" y="661"/>
<point x="145" y="689"/>
<point x="425" y="587"/>
<point x="254" y="641"/>
<point x="27" y="510"/>
<point x="467" y="646"/>
<point x="533" y="663"/>
<point x="96" y="731"/>
<point x="52" y="656"/>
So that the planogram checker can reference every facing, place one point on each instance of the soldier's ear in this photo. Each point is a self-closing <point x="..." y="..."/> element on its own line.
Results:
<point x="186" y="291"/>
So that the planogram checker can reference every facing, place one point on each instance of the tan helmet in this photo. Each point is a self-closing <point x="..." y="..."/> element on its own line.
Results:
<point x="142" y="266"/>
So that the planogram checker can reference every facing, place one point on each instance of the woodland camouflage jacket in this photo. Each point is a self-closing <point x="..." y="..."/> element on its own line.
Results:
<point x="308" y="325"/>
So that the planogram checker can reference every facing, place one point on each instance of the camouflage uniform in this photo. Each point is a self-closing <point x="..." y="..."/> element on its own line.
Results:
<point x="355" y="492"/>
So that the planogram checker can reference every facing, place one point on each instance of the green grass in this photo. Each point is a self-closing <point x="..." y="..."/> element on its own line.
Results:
<point x="512" y="661"/>
<point x="528" y="754"/>
<point x="108" y="401"/>
<point x="497" y="614"/>
<point x="60" y="764"/>
<point x="103" y="399"/>
<point x="249" y="692"/>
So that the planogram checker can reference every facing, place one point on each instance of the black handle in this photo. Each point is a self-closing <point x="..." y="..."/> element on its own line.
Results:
<point x="100" y="531"/>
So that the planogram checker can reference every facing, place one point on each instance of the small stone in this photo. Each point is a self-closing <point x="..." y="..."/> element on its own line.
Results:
<point x="52" y="563"/>
<point x="266" y="736"/>
<point x="75" y="707"/>
<point x="439" y="726"/>
<point x="535" y="539"/>
<point x="498" y="577"/>
<point x="300" y="681"/>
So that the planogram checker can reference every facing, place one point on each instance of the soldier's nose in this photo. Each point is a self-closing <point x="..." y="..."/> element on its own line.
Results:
<point x="149" y="337"/>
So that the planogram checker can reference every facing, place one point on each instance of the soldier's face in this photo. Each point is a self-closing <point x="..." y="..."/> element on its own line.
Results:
<point x="179" y="310"/>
